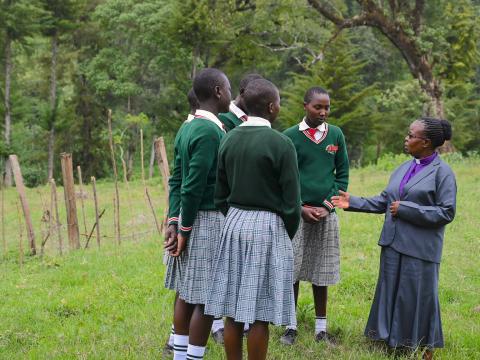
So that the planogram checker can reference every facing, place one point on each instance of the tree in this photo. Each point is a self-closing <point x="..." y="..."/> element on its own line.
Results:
<point x="18" y="19"/>
<point x="417" y="29"/>
<point x="60" y="19"/>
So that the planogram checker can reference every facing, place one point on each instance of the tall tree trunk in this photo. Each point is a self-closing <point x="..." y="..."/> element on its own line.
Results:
<point x="53" y="104"/>
<point x="8" y="111"/>
<point x="195" y="56"/>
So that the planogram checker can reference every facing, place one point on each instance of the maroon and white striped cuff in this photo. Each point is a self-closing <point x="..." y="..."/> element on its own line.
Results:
<point x="172" y="220"/>
<point x="328" y="205"/>
<point x="185" y="228"/>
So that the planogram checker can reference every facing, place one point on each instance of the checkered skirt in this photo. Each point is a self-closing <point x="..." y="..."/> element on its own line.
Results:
<point x="317" y="252"/>
<point x="191" y="272"/>
<point x="253" y="270"/>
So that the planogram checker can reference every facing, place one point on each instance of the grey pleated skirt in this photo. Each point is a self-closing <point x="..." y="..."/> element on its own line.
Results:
<point x="191" y="272"/>
<point x="253" y="270"/>
<point x="317" y="252"/>
<point x="406" y="311"/>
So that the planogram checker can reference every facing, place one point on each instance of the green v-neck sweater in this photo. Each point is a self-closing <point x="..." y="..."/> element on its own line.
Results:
<point x="197" y="151"/>
<point x="323" y="166"/>
<point x="257" y="170"/>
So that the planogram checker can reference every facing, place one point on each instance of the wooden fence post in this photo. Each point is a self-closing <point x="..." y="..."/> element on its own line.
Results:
<point x="116" y="205"/>
<point x="17" y="173"/>
<point x="70" y="202"/>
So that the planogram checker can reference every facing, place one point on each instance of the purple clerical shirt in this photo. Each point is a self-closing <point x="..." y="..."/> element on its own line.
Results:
<point x="416" y="166"/>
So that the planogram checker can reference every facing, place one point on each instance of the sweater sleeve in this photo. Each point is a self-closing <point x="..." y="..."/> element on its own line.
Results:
<point x="341" y="173"/>
<point x="175" y="182"/>
<point x="437" y="215"/>
<point x="203" y="149"/>
<point x="174" y="185"/>
<point x="222" y="188"/>
<point x="290" y="185"/>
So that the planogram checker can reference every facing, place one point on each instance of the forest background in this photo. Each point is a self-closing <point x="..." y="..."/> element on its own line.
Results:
<point x="385" y="63"/>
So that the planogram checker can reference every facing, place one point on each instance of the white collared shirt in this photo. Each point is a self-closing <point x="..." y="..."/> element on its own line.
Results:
<point x="236" y="110"/>
<point x="210" y="116"/>
<point x="321" y="128"/>
<point x="190" y="117"/>
<point x="256" y="121"/>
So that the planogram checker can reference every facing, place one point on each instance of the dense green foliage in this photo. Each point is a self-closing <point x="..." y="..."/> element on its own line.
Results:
<point x="110" y="303"/>
<point x="138" y="57"/>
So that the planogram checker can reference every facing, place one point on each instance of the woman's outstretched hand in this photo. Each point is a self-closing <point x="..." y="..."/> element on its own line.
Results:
<point x="342" y="201"/>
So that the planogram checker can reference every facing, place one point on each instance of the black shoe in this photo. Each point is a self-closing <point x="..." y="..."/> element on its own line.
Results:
<point x="288" y="337"/>
<point x="217" y="336"/>
<point x="326" y="337"/>
<point x="168" y="349"/>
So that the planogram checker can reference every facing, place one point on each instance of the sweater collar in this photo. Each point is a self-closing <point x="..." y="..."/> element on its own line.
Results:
<point x="239" y="113"/>
<point x="209" y="116"/>
<point x="256" y="121"/>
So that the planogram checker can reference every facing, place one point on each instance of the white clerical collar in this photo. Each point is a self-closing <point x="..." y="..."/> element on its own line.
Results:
<point x="256" y="121"/>
<point x="236" y="110"/>
<point x="304" y="126"/>
<point x="190" y="117"/>
<point x="209" y="116"/>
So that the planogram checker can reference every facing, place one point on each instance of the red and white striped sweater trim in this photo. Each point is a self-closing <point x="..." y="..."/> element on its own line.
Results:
<point x="329" y="204"/>
<point x="185" y="228"/>
<point x="324" y="135"/>
<point x="172" y="220"/>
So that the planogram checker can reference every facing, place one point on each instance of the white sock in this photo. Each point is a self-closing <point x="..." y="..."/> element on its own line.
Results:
<point x="291" y="327"/>
<point x="217" y="325"/>
<point x="246" y="327"/>
<point x="195" y="352"/>
<point x="320" y="324"/>
<point x="180" y="347"/>
<point x="170" y="339"/>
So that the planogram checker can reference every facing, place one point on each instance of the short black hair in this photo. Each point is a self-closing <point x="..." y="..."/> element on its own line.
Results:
<point x="258" y="94"/>
<point x="205" y="82"/>
<point x="313" y="90"/>
<point x="192" y="100"/>
<point x="436" y="130"/>
<point x="246" y="80"/>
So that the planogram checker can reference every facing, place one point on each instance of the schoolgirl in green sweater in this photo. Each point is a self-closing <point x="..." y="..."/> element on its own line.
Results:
<point x="323" y="165"/>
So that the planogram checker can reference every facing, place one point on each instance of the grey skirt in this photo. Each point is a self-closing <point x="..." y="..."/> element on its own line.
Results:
<point x="317" y="252"/>
<point x="406" y="311"/>
<point x="190" y="273"/>
<point x="253" y="270"/>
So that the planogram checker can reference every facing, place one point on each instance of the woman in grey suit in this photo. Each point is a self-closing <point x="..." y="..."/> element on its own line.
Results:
<point x="418" y="202"/>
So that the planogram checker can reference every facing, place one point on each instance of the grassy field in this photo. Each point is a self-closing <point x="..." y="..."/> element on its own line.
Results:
<point x="109" y="303"/>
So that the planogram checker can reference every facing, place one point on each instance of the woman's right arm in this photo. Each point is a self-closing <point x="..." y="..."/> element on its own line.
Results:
<point x="376" y="204"/>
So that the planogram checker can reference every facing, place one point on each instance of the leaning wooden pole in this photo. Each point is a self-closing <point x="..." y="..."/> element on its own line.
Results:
<point x="97" y="217"/>
<point x="80" y="182"/>
<point x="162" y="160"/>
<point x="23" y="199"/>
<point x="70" y="201"/>
<point x="57" y="217"/>
<point x="115" y="174"/>
<point x="20" y="239"/>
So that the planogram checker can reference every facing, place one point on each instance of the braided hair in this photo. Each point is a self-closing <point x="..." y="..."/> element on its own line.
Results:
<point x="436" y="130"/>
<point x="313" y="90"/>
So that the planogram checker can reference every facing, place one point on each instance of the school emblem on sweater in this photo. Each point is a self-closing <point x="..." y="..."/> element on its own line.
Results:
<point x="331" y="149"/>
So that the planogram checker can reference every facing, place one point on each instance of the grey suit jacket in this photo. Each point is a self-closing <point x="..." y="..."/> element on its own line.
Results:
<point x="426" y="206"/>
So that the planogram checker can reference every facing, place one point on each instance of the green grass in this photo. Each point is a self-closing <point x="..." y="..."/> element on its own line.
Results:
<point x="109" y="303"/>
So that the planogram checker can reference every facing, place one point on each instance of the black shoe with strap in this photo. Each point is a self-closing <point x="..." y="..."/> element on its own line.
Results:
<point x="326" y="337"/>
<point x="288" y="337"/>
